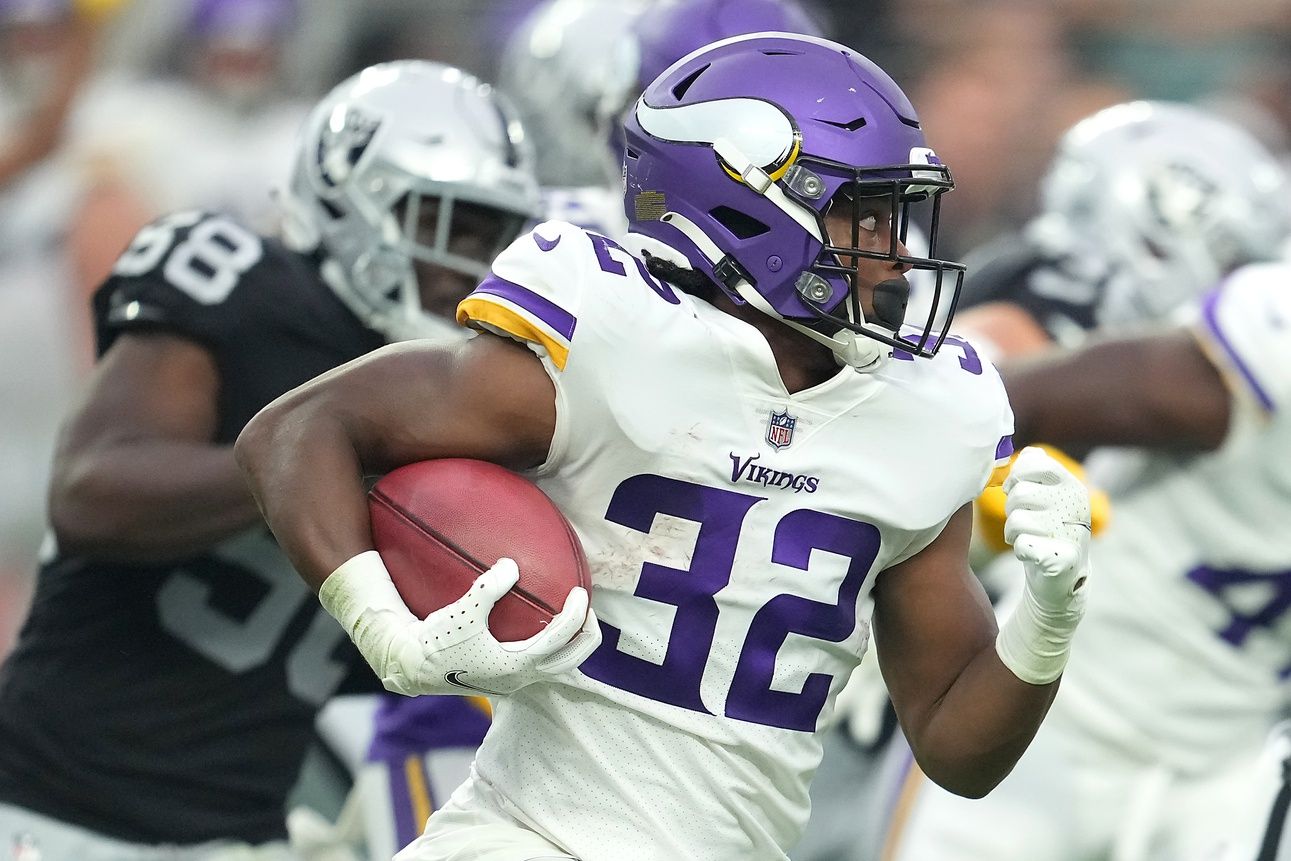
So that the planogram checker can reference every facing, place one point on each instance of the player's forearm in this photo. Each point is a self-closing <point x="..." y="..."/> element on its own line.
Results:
<point x="981" y="726"/>
<point x="306" y="475"/>
<point x="1146" y="391"/>
<point x="148" y="501"/>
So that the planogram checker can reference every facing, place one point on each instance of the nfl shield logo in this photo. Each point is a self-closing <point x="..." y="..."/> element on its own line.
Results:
<point x="780" y="429"/>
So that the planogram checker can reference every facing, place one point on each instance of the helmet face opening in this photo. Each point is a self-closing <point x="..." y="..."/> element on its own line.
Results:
<point x="881" y="201"/>
<point x="450" y="243"/>
<point x="457" y="234"/>
<point x="410" y="177"/>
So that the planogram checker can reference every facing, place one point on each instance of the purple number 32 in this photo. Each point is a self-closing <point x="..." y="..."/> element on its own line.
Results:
<point x="720" y="515"/>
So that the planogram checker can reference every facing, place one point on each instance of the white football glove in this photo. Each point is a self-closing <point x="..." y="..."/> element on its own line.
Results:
<point x="452" y="651"/>
<point x="1047" y="522"/>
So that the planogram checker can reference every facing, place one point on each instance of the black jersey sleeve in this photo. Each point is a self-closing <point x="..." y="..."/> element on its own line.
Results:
<point x="185" y="273"/>
<point x="1060" y="298"/>
<point x="263" y="311"/>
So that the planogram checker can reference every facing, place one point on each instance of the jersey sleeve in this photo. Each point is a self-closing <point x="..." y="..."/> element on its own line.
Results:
<point x="534" y="292"/>
<point x="997" y="450"/>
<point x="967" y="404"/>
<point x="179" y="275"/>
<point x="1244" y="326"/>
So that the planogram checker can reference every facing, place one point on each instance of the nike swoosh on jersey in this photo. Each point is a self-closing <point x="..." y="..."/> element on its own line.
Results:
<point x="545" y="244"/>
<point x="454" y="680"/>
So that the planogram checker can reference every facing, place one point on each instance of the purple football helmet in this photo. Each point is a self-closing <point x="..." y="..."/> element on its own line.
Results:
<point x="736" y="152"/>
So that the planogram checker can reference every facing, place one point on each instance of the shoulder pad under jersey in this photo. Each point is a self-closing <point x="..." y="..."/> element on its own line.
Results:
<point x="1245" y="327"/>
<point x="554" y="279"/>
<point x="182" y="273"/>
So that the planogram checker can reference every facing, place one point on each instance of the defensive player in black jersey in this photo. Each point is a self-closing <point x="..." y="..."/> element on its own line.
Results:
<point x="164" y="686"/>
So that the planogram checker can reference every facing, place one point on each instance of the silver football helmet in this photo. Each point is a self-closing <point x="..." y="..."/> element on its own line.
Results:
<point x="1155" y="202"/>
<point x="409" y="166"/>
<point x="568" y="68"/>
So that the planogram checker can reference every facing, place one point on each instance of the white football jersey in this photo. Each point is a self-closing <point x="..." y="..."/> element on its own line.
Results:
<point x="732" y="530"/>
<point x="1185" y="647"/>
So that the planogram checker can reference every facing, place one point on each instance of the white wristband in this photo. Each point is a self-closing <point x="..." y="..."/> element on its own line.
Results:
<point x="1034" y="643"/>
<point x="359" y="584"/>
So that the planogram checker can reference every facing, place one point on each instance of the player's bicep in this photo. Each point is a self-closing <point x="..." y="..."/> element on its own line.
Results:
<point x="489" y="398"/>
<point x="151" y="406"/>
<point x="147" y="386"/>
<point x="931" y="618"/>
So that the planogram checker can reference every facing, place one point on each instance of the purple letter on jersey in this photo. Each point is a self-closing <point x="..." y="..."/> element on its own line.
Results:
<point x="969" y="361"/>
<point x="1246" y="616"/>
<point x="603" y="244"/>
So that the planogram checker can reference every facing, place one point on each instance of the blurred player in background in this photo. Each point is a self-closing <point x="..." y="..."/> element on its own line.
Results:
<point x="708" y="440"/>
<point x="46" y="53"/>
<point x="164" y="686"/>
<point x="1144" y="206"/>
<point x="1153" y="750"/>
<point x="574" y="67"/>
<point x="219" y="97"/>
<point x="567" y="67"/>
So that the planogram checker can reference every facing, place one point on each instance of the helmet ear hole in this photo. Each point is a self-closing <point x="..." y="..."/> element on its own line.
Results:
<point x="738" y="224"/>
<point x="331" y="209"/>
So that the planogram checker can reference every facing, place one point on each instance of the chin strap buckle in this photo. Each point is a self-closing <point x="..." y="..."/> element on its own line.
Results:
<point x="730" y="273"/>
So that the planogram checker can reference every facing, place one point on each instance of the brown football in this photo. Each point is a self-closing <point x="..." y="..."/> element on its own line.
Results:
<point x="439" y="524"/>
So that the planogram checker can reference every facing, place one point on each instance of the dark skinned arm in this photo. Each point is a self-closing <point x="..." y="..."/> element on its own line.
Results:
<point x="137" y="477"/>
<point x="1157" y="390"/>
<point x="967" y="717"/>
<point x="1008" y="329"/>
<point x="306" y="453"/>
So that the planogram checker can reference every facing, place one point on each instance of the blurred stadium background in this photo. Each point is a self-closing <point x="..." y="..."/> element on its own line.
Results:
<point x="113" y="111"/>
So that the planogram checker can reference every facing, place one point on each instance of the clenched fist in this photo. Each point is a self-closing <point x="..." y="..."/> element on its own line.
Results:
<point x="1047" y="522"/>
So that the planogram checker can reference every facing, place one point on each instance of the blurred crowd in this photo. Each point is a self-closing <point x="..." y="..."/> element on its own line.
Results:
<point x="114" y="111"/>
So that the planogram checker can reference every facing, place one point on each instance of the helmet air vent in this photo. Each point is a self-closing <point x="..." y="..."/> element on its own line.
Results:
<point x="851" y="126"/>
<point x="679" y="91"/>
<point x="739" y="224"/>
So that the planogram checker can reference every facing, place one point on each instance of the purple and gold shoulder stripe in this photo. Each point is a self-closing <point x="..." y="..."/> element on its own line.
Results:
<point x="508" y="308"/>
